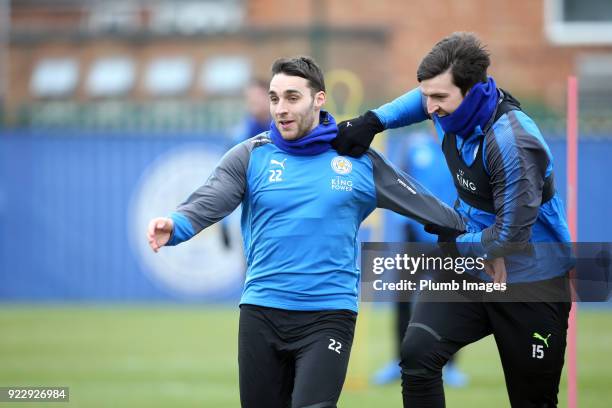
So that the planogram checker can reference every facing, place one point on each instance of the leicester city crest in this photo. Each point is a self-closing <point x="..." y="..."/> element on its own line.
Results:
<point x="341" y="165"/>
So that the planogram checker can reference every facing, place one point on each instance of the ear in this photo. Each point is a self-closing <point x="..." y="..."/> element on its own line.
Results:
<point x="319" y="99"/>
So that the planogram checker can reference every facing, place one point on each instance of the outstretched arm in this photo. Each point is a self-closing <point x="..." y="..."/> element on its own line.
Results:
<point x="398" y="192"/>
<point x="355" y="135"/>
<point x="403" y="111"/>
<point x="218" y="197"/>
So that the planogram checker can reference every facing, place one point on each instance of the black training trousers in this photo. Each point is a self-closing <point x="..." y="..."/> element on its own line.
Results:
<point x="530" y="337"/>
<point x="292" y="358"/>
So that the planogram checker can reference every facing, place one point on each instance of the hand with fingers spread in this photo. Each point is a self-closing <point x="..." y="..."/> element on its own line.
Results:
<point x="159" y="232"/>
<point x="496" y="269"/>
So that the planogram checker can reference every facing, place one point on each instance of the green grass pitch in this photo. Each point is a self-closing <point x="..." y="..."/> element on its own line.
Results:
<point x="167" y="356"/>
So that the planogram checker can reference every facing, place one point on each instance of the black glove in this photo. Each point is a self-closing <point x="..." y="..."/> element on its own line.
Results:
<point x="355" y="135"/>
<point x="447" y="238"/>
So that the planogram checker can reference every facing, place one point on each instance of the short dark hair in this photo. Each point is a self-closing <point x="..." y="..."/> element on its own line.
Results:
<point x="463" y="54"/>
<point x="301" y="66"/>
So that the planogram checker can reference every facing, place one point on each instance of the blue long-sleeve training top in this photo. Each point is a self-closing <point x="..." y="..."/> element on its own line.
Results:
<point x="517" y="160"/>
<point x="300" y="218"/>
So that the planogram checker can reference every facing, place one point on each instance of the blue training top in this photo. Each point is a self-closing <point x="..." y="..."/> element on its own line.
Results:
<point x="515" y="172"/>
<point x="300" y="218"/>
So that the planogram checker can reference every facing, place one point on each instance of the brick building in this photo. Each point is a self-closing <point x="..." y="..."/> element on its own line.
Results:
<point x="218" y="45"/>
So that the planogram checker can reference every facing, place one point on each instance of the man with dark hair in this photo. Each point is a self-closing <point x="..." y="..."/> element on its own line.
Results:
<point x="302" y="205"/>
<point x="503" y="173"/>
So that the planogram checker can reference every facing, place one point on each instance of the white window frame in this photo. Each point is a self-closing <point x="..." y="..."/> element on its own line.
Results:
<point x="225" y="74"/>
<point x="54" y="77"/>
<point x="561" y="32"/>
<point x="181" y="69"/>
<point x="118" y="68"/>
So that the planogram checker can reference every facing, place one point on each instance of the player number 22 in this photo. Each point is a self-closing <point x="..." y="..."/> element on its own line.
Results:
<point x="275" y="175"/>
<point x="334" y="345"/>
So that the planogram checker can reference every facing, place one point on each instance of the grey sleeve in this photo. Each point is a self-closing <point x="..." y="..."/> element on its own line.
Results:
<point x="222" y="192"/>
<point x="398" y="192"/>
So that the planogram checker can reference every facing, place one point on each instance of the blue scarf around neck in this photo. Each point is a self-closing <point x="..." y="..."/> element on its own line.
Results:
<point x="475" y="110"/>
<point x="315" y="142"/>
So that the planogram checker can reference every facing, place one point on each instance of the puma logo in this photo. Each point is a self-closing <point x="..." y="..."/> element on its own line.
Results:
<point x="282" y="164"/>
<point x="540" y="337"/>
